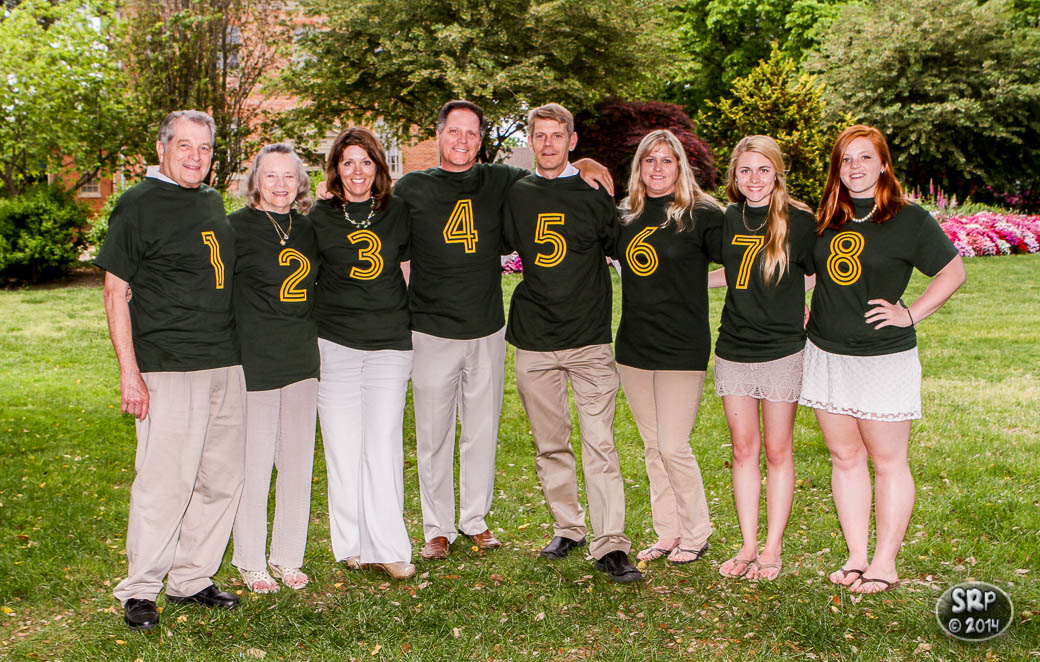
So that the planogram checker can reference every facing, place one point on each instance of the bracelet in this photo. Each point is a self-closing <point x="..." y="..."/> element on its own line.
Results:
<point x="907" y="309"/>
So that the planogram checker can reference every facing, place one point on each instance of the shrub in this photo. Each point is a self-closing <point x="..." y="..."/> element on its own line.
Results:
<point x="612" y="131"/>
<point x="989" y="233"/>
<point x="41" y="234"/>
<point x="775" y="100"/>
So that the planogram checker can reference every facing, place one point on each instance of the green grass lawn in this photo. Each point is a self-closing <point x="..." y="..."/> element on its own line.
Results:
<point x="66" y="465"/>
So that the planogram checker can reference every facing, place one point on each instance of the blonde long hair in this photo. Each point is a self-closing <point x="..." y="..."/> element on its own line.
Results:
<point x="778" y="245"/>
<point x="687" y="193"/>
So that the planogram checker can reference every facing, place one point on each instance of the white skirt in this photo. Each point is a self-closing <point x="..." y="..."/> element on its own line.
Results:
<point x="779" y="380"/>
<point x="876" y="388"/>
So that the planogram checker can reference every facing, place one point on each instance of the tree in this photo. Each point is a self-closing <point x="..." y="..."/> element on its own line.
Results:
<point x="611" y="132"/>
<point x="954" y="86"/>
<point x="63" y="105"/>
<point x="402" y="59"/>
<point x="212" y="55"/>
<point x="775" y="100"/>
<point x="723" y="40"/>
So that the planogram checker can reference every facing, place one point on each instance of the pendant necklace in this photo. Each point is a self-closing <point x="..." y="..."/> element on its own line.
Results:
<point x="363" y="223"/>
<point x="743" y="217"/>
<point x="283" y="235"/>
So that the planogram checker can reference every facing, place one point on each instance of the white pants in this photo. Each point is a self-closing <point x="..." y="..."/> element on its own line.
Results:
<point x="279" y="433"/>
<point x="361" y="399"/>
<point x="463" y="378"/>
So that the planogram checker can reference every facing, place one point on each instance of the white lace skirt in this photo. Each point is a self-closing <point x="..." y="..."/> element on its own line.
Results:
<point x="876" y="388"/>
<point x="779" y="380"/>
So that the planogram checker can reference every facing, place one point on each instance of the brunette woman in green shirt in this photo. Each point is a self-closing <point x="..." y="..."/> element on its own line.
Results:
<point x="766" y="247"/>
<point x="861" y="372"/>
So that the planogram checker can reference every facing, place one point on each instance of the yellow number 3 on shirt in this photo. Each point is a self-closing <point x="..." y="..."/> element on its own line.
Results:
<point x="843" y="265"/>
<point x="369" y="253"/>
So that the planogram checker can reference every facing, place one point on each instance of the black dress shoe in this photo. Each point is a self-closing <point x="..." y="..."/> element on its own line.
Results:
<point x="211" y="596"/>
<point x="140" y="614"/>
<point x="620" y="569"/>
<point x="559" y="547"/>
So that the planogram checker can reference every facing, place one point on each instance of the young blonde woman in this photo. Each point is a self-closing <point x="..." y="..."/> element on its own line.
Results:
<point x="668" y="226"/>
<point x="766" y="247"/>
<point x="861" y="373"/>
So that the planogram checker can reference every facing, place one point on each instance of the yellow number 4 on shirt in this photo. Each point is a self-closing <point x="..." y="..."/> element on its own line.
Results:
<point x="459" y="228"/>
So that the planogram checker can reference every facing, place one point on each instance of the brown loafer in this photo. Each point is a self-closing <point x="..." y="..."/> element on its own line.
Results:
<point x="436" y="549"/>
<point x="485" y="540"/>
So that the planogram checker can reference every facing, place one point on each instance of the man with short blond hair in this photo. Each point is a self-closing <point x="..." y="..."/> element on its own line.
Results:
<point x="170" y="242"/>
<point x="559" y="321"/>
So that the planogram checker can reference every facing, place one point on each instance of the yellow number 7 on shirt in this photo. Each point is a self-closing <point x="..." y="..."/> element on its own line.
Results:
<point x="754" y="244"/>
<point x="543" y="235"/>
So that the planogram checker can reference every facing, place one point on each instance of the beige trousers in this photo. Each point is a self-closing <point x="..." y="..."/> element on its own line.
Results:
<point x="541" y="380"/>
<point x="664" y="404"/>
<point x="190" y="459"/>
<point x="279" y="433"/>
<point x="462" y="378"/>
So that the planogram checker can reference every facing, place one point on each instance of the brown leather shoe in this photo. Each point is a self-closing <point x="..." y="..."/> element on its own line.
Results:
<point x="486" y="540"/>
<point x="397" y="569"/>
<point x="438" y="548"/>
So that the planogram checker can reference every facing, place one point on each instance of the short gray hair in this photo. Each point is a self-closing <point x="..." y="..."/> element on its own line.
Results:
<point x="302" y="200"/>
<point x="196" y="116"/>
<point x="550" y="111"/>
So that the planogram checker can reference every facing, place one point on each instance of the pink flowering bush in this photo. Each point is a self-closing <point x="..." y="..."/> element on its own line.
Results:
<point x="511" y="264"/>
<point x="992" y="233"/>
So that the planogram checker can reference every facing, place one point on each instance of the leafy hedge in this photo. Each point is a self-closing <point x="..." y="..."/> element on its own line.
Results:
<point x="41" y="234"/>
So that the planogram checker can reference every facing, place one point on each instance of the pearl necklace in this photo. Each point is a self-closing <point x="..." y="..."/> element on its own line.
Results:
<point x="363" y="223"/>
<point x="283" y="235"/>
<point x="743" y="218"/>
<point x="865" y="218"/>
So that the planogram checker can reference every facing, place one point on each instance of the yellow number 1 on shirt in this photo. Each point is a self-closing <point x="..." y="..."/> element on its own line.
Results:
<point x="210" y="240"/>
<point x="459" y="228"/>
<point x="754" y="244"/>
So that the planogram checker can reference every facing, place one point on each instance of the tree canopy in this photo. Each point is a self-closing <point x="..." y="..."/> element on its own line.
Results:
<point x="954" y="86"/>
<point x="402" y="59"/>
<point x="63" y="104"/>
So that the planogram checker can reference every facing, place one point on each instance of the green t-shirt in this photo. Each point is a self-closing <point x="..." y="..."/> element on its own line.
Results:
<point x="274" y="294"/>
<point x="664" y="287"/>
<point x="563" y="229"/>
<point x="763" y="321"/>
<point x="176" y="249"/>
<point x="865" y="261"/>
<point x="455" y="288"/>
<point x="361" y="295"/>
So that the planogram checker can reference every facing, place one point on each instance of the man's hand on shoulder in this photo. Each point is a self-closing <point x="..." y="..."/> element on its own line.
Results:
<point x="595" y="174"/>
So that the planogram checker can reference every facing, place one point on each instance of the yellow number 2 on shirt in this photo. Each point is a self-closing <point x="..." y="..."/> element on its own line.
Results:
<point x="459" y="228"/>
<point x="289" y="290"/>
<point x="543" y="235"/>
<point x="369" y="253"/>
<point x="754" y="245"/>
<point x="843" y="265"/>
<point x="641" y="256"/>
<point x="210" y="240"/>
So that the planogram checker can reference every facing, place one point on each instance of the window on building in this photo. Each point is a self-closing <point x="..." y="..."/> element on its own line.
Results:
<point x="92" y="189"/>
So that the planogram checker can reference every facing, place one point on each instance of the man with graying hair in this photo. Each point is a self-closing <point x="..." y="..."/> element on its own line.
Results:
<point x="170" y="242"/>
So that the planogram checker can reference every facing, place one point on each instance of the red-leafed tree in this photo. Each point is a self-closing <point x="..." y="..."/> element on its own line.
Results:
<point x="611" y="132"/>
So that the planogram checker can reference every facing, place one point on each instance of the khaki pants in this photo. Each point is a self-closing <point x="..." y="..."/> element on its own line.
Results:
<point x="664" y="404"/>
<point x="190" y="460"/>
<point x="541" y="380"/>
<point x="463" y="378"/>
<point x="279" y="433"/>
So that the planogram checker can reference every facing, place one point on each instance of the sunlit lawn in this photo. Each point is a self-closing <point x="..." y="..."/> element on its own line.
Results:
<point x="66" y="465"/>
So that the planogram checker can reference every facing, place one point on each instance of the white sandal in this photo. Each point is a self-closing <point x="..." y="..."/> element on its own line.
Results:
<point x="294" y="578"/>
<point x="254" y="577"/>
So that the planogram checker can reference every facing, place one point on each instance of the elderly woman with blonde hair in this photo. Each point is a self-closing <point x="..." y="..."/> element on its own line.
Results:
<point x="668" y="228"/>
<point x="274" y="292"/>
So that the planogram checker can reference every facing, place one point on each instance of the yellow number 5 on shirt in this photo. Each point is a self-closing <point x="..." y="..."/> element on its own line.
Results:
<point x="543" y="235"/>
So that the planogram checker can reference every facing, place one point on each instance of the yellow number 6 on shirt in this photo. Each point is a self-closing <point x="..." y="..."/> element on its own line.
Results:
<point x="641" y="256"/>
<point x="543" y="235"/>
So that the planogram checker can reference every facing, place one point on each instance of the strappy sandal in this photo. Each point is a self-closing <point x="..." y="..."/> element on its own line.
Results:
<point x="888" y="586"/>
<point x="294" y="578"/>
<point x="254" y="577"/>
<point x="747" y="566"/>
<point x="697" y="554"/>
<point x="653" y="553"/>
<point x="845" y="573"/>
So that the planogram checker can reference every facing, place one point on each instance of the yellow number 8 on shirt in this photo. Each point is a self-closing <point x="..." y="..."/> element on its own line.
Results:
<point x="843" y="265"/>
